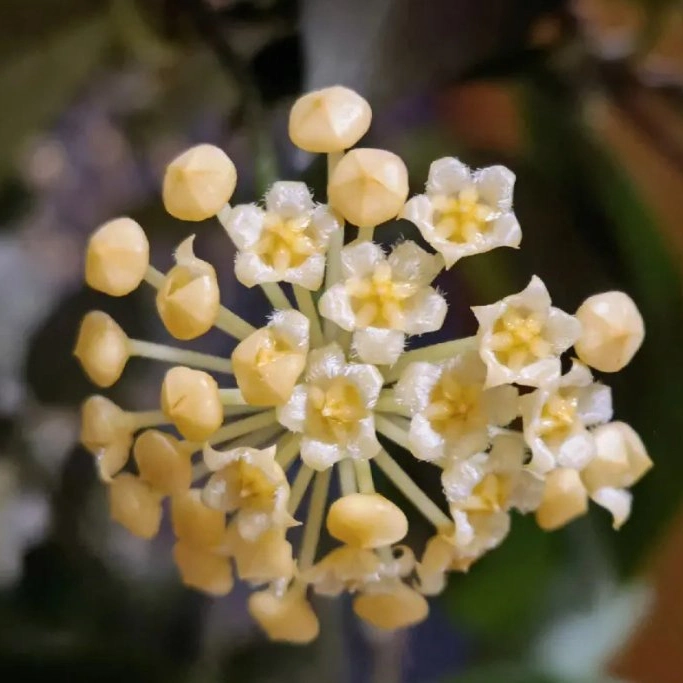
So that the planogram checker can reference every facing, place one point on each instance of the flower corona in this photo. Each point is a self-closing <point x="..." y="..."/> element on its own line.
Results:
<point x="244" y="447"/>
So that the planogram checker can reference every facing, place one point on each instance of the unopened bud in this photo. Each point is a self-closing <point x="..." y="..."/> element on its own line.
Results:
<point x="117" y="257"/>
<point x="135" y="505"/>
<point x="190" y="399"/>
<point x="329" y="120"/>
<point x="101" y="348"/>
<point x="397" y="608"/>
<point x="366" y="520"/>
<point x="612" y="330"/>
<point x="368" y="187"/>
<point x="199" y="183"/>
<point x="289" y="618"/>
<point x="194" y="523"/>
<point x="163" y="461"/>
<point x="189" y="299"/>
<point x="202" y="570"/>
<point x="564" y="499"/>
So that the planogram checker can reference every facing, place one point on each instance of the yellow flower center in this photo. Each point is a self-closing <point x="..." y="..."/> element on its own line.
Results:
<point x="489" y="495"/>
<point x="461" y="218"/>
<point x="255" y="489"/>
<point x="558" y="415"/>
<point x="518" y="339"/>
<point x="271" y="347"/>
<point x="285" y="243"/>
<point x="333" y="413"/>
<point x="455" y="408"/>
<point x="379" y="300"/>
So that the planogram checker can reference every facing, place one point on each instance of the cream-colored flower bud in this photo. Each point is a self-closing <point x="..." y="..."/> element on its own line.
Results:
<point x="399" y="607"/>
<point x="564" y="499"/>
<point x="366" y="520"/>
<point x="107" y="432"/>
<point x="190" y="399"/>
<point x="117" y="257"/>
<point x="163" y="461"/>
<point x="368" y="187"/>
<point x="196" y="524"/>
<point x="101" y="348"/>
<point x="135" y="505"/>
<point x="612" y="330"/>
<point x="620" y="458"/>
<point x="199" y="183"/>
<point x="289" y="619"/>
<point x="268" y="363"/>
<point x="329" y="120"/>
<point x="203" y="570"/>
<point x="269" y="558"/>
<point x="189" y="299"/>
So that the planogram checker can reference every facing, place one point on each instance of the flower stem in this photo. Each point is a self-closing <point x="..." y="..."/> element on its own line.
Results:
<point x="170" y="354"/>
<point x="314" y="521"/>
<point x="366" y="234"/>
<point x="411" y="490"/>
<point x="387" y="404"/>
<point x="287" y="449"/>
<point x="276" y="295"/>
<point x="148" y="418"/>
<point x="232" y="324"/>
<point x="364" y="476"/>
<point x="254" y="439"/>
<point x="434" y="353"/>
<point x="231" y="397"/>
<point x="154" y="277"/>
<point x="304" y="300"/>
<point x="392" y="431"/>
<point x="347" y="476"/>
<point x="299" y="487"/>
<point x="333" y="271"/>
<point x="244" y="426"/>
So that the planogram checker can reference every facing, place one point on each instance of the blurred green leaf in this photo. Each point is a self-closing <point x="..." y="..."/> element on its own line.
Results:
<point x="521" y="568"/>
<point x="34" y="87"/>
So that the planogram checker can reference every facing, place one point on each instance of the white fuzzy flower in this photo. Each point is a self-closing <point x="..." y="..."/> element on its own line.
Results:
<point x="450" y="407"/>
<point x="249" y="483"/>
<point x="333" y="409"/>
<point x="464" y="212"/>
<point x="556" y="418"/>
<point x="381" y="298"/>
<point x="286" y="242"/>
<point x="521" y="337"/>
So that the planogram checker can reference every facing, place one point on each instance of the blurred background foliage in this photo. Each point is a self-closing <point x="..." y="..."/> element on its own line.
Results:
<point x="582" y="99"/>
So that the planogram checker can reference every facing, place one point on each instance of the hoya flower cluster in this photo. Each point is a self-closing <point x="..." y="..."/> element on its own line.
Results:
<point x="236" y="443"/>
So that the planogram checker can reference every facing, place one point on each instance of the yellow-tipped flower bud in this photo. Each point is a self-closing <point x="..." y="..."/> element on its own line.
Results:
<point x="368" y="187"/>
<point x="101" y="348"/>
<point x="190" y="399"/>
<point x="268" y="363"/>
<point x="117" y="257"/>
<point x="199" y="183"/>
<point x="366" y="520"/>
<point x="269" y="558"/>
<point x="163" y="462"/>
<point x="290" y="618"/>
<point x="620" y="458"/>
<point x="189" y="299"/>
<point x="107" y="432"/>
<point x="398" y="607"/>
<point x="196" y="524"/>
<point x="612" y="330"/>
<point x="564" y="499"/>
<point x="202" y="570"/>
<point x="329" y="120"/>
<point x="135" y="505"/>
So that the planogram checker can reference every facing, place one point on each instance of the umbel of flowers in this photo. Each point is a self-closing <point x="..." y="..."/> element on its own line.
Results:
<point x="236" y="443"/>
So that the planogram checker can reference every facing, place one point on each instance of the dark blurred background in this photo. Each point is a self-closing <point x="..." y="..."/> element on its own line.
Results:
<point x="583" y="100"/>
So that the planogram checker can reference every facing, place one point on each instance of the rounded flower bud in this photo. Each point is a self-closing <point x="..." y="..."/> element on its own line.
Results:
<point x="366" y="520"/>
<point x="399" y="607"/>
<point x="612" y="330"/>
<point x="289" y="618"/>
<point x="203" y="570"/>
<point x="564" y="499"/>
<point x="194" y="523"/>
<point x="189" y="299"/>
<point x="190" y="399"/>
<point x="107" y="432"/>
<point x="268" y="558"/>
<point x="368" y="187"/>
<point x="329" y="120"/>
<point x="135" y="505"/>
<point x="199" y="183"/>
<point x="620" y="458"/>
<point x="117" y="257"/>
<point x="163" y="461"/>
<point x="101" y="348"/>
